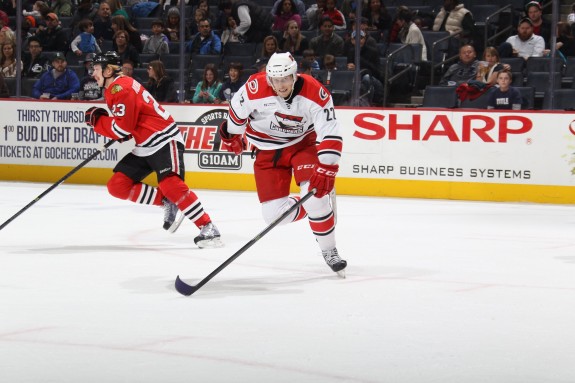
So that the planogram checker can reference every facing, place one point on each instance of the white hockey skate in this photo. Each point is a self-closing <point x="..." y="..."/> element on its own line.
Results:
<point x="170" y="213"/>
<point x="209" y="237"/>
<point x="333" y="260"/>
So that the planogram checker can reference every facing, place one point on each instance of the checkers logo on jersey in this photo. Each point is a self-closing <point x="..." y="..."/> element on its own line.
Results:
<point x="253" y="86"/>
<point x="201" y="138"/>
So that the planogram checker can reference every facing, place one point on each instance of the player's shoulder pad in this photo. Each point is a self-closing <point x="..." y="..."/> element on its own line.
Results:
<point x="257" y="86"/>
<point x="313" y="90"/>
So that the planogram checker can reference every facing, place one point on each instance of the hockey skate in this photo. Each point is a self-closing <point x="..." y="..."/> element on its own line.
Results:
<point x="209" y="237"/>
<point x="170" y="213"/>
<point x="333" y="260"/>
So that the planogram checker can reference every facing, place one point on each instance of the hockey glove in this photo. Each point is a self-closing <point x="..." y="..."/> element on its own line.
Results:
<point x="231" y="142"/>
<point x="323" y="179"/>
<point x="92" y="115"/>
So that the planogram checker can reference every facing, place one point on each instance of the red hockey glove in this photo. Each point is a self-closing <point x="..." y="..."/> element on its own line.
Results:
<point x="323" y="179"/>
<point x="92" y="115"/>
<point x="231" y="142"/>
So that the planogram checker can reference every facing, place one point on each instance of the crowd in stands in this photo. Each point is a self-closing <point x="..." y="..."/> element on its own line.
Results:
<point x="225" y="41"/>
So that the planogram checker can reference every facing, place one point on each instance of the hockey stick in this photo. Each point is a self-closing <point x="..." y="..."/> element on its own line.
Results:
<point x="185" y="289"/>
<point x="54" y="186"/>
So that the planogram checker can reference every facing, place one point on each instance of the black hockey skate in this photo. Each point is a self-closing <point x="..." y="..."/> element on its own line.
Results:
<point x="333" y="260"/>
<point x="170" y="214"/>
<point x="209" y="237"/>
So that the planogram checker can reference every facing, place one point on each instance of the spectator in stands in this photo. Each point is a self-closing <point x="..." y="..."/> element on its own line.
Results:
<point x="293" y="40"/>
<point x="261" y="63"/>
<point x="335" y="15"/>
<point x="299" y="5"/>
<point x="116" y="9"/>
<point x="370" y="41"/>
<point x="160" y="85"/>
<point x="83" y="11"/>
<point x="378" y="18"/>
<point x="199" y="15"/>
<point x="28" y="23"/>
<point x="370" y="69"/>
<point x="462" y="71"/>
<point x="314" y="14"/>
<point x="208" y="90"/>
<point x="565" y="39"/>
<point x="205" y="6"/>
<point x="309" y="56"/>
<point x="410" y="33"/>
<point x="125" y="49"/>
<point x="89" y="88"/>
<point x="505" y="96"/>
<point x="173" y="26"/>
<point x="455" y="18"/>
<point x="35" y="63"/>
<point x="58" y="83"/>
<point x="8" y="62"/>
<point x="37" y="7"/>
<point x="53" y="37"/>
<point x="120" y="23"/>
<point x="254" y="23"/>
<point x="232" y="84"/>
<point x="206" y="42"/>
<point x="4" y="91"/>
<point x="349" y="7"/>
<point x="489" y="68"/>
<point x="7" y="35"/>
<point x="229" y="34"/>
<point x="541" y="27"/>
<point x="103" y="23"/>
<point x="327" y="42"/>
<point x="329" y="65"/>
<point x="269" y="46"/>
<point x="158" y="42"/>
<point x="287" y="12"/>
<point x="524" y="44"/>
<point x="85" y="42"/>
<point x="128" y="70"/>
<point x="62" y="8"/>
<point x="368" y="56"/>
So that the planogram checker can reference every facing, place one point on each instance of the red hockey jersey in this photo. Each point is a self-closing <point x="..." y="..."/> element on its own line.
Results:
<point x="135" y="112"/>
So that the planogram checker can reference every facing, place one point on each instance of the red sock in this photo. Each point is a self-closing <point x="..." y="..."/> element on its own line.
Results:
<point x="123" y="187"/>
<point x="187" y="201"/>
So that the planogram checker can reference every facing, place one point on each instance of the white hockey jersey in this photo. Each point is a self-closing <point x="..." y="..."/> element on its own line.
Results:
<point x="270" y="122"/>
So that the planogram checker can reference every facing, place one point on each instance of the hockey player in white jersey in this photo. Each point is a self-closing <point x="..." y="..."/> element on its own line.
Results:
<point x="290" y="120"/>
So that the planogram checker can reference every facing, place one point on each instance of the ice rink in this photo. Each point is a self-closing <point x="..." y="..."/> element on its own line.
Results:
<point x="436" y="291"/>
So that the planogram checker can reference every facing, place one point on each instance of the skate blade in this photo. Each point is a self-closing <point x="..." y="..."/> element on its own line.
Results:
<point x="176" y="225"/>
<point x="341" y="273"/>
<point x="211" y="243"/>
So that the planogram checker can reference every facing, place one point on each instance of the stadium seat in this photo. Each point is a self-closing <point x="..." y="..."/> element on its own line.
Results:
<point x="440" y="97"/>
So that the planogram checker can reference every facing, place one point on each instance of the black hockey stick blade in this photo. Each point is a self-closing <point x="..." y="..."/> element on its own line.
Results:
<point x="55" y="185"/>
<point x="185" y="289"/>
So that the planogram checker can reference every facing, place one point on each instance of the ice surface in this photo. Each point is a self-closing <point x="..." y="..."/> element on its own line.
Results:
<point x="436" y="291"/>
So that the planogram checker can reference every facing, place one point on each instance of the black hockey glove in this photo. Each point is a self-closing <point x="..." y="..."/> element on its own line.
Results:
<point x="92" y="115"/>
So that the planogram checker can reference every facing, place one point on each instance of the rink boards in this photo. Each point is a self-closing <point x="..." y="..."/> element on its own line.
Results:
<point x="423" y="153"/>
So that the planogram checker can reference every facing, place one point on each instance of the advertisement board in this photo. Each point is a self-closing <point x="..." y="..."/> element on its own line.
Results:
<point x="427" y="153"/>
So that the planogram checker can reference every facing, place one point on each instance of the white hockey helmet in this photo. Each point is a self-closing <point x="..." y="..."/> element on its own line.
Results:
<point x="281" y="65"/>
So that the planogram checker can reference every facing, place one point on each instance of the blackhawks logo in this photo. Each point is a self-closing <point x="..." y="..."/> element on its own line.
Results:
<point x="115" y="89"/>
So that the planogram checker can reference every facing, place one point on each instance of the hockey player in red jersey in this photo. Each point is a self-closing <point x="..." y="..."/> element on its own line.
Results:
<point x="159" y="148"/>
<point x="290" y="119"/>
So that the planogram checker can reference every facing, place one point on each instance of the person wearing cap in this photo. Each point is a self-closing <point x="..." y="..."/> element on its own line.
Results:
<point x="541" y="27"/>
<point x="35" y="62"/>
<point x="53" y="37"/>
<point x="89" y="88"/>
<point x="524" y="44"/>
<point x="58" y="83"/>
